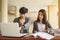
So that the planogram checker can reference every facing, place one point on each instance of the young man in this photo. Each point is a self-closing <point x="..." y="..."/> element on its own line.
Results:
<point x="23" y="21"/>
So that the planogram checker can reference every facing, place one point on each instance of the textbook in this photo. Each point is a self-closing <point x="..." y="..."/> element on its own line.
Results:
<point x="42" y="35"/>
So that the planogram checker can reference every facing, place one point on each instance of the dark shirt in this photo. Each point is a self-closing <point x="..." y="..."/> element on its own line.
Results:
<point x="26" y="23"/>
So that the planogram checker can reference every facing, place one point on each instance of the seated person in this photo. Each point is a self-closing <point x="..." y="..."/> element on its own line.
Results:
<point x="41" y="24"/>
<point x="23" y="21"/>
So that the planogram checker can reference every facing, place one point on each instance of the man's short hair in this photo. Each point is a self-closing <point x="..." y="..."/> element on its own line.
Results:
<point x="23" y="10"/>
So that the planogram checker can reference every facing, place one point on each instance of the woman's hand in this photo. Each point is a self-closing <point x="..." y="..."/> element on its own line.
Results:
<point x="35" y="31"/>
<point x="46" y="31"/>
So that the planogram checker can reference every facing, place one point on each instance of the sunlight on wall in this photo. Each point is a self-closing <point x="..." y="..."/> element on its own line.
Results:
<point x="0" y="5"/>
<point x="53" y="16"/>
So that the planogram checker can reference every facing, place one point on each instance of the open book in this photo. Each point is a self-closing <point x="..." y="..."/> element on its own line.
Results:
<point x="42" y="35"/>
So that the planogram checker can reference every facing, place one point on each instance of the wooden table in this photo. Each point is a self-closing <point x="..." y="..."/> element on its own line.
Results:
<point x="24" y="38"/>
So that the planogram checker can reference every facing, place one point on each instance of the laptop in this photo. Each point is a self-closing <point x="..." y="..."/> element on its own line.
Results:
<point x="10" y="29"/>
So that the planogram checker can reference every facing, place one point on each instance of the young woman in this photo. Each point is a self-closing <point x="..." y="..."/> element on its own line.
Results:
<point x="41" y="24"/>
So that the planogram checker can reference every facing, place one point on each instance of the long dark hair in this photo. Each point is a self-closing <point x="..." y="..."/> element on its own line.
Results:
<point x="44" y="21"/>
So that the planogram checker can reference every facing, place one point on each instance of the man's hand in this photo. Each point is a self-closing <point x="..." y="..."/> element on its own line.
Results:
<point x="21" y="21"/>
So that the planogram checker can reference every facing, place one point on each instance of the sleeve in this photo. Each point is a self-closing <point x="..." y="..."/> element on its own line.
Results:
<point x="50" y="28"/>
<point x="15" y="20"/>
<point x="35" y="27"/>
<point x="49" y="25"/>
<point x="27" y="24"/>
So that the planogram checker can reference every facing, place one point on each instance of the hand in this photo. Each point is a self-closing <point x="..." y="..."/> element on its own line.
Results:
<point x="46" y="31"/>
<point x="35" y="31"/>
<point x="21" y="21"/>
<point x="20" y="28"/>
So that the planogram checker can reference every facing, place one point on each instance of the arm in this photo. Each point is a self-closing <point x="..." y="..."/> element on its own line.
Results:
<point x="27" y="24"/>
<point x="50" y="29"/>
<point x="15" y="20"/>
<point x="35" y="27"/>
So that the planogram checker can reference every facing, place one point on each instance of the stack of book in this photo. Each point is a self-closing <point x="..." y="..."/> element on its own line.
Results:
<point x="57" y="32"/>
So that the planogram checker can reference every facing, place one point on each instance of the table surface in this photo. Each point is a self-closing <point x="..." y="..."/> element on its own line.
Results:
<point x="25" y="38"/>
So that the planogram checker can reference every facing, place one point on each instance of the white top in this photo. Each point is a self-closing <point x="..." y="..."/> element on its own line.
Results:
<point x="41" y="27"/>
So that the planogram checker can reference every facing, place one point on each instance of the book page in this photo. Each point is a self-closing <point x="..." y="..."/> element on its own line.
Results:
<point x="43" y="35"/>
